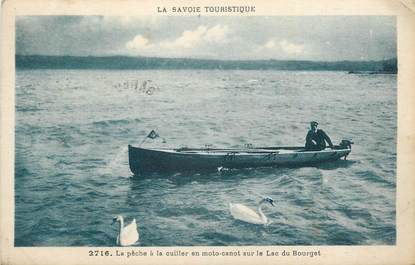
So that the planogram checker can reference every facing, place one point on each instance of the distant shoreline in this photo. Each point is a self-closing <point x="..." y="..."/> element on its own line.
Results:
<point x="149" y="63"/>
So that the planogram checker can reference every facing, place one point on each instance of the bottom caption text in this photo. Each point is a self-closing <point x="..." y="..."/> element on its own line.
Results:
<point x="203" y="253"/>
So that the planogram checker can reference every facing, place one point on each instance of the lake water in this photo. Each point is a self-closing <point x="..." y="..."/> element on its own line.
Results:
<point x="72" y="175"/>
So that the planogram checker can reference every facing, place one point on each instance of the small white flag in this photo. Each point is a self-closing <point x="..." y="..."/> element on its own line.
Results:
<point x="153" y="135"/>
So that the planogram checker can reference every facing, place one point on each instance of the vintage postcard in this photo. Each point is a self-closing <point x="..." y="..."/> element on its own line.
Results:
<point x="199" y="132"/>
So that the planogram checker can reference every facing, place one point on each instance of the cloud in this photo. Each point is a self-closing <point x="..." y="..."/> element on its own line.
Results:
<point x="202" y="34"/>
<point x="216" y="34"/>
<point x="188" y="39"/>
<point x="201" y="41"/>
<point x="281" y="48"/>
<point x="291" y="48"/>
<point x="139" y="43"/>
<point x="270" y="44"/>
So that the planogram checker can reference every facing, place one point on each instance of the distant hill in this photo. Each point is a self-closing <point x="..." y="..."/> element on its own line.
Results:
<point x="124" y="62"/>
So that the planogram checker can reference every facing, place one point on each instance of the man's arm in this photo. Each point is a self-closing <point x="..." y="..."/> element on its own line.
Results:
<point x="327" y="138"/>
<point x="309" y="139"/>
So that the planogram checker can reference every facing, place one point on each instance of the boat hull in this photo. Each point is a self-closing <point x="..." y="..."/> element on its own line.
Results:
<point x="143" y="160"/>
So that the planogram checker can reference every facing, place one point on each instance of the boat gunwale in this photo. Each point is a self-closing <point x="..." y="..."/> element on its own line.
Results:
<point x="237" y="151"/>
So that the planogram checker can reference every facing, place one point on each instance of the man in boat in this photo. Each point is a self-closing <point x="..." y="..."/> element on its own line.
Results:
<point x="316" y="138"/>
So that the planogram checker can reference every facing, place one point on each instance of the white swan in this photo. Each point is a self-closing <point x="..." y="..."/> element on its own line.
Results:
<point x="243" y="213"/>
<point x="128" y="235"/>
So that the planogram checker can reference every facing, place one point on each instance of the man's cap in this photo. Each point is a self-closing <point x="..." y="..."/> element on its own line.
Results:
<point x="313" y="123"/>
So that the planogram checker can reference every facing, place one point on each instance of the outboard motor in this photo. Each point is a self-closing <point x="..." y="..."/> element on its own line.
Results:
<point x="346" y="144"/>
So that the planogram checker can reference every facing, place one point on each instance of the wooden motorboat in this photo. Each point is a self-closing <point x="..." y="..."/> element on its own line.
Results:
<point x="199" y="159"/>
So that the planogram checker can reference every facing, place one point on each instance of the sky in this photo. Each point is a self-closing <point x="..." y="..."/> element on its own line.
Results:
<point x="316" y="38"/>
